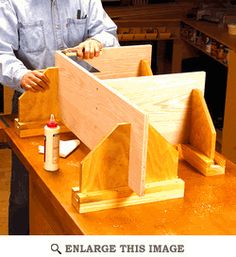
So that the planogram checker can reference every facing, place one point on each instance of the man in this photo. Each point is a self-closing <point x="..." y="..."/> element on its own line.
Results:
<point x="31" y="31"/>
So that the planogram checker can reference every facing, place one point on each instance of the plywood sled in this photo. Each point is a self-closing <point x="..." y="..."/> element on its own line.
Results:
<point x="135" y="127"/>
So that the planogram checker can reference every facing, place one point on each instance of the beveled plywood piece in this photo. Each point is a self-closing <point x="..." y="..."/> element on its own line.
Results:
<point x="35" y="108"/>
<point x="202" y="131"/>
<point x="38" y="106"/>
<point x="166" y="100"/>
<point x="121" y="62"/>
<point x="91" y="109"/>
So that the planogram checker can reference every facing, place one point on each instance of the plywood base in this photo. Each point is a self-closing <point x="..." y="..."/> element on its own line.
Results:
<point x="124" y="196"/>
<point x="204" y="164"/>
<point x="30" y="129"/>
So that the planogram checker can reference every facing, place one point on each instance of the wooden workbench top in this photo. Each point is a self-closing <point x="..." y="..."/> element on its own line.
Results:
<point x="209" y="205"/>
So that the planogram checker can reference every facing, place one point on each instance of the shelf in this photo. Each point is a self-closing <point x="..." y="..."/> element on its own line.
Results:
<point x="201" y="41"/>
<point x="201" y="49"/>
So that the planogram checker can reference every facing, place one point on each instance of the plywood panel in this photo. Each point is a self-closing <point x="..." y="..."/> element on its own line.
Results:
<point x="121" y="62"/>
<point x="90" y="109"/>
<point x="165" y="98"/>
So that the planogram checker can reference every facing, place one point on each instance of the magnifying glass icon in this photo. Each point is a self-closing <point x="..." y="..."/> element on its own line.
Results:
<point x="55" y="248"/>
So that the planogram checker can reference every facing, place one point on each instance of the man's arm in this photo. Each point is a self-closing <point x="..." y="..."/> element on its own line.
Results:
<point x="12" y="71"/>
<point x="101" y="31"/>
<point x="100" y="25"/>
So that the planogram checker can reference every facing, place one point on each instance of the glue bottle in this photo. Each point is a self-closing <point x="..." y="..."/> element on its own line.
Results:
<point x="51" y="145"/>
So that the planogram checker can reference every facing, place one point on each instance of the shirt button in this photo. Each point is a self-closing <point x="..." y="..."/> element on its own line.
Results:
<point x="57" y="26"/>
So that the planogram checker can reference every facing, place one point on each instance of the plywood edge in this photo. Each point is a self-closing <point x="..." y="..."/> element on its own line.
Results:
<point x="205" y="165"/>
<point x="123" y="196"/>
<point x="134" y="84"/>
<point x="137" y="180"/>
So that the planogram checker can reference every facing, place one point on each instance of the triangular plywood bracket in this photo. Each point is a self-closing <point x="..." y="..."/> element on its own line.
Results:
<point x="145" y="68"/>
<point x="38" y="106"/>
<point x="200" y="152"/>
<point x="162" y="158"/>
<point x="106" y="166"/>
<point x="35" y="108"/>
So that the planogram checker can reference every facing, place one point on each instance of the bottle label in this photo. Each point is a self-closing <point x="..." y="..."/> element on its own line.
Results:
<point x="55" y="154"/>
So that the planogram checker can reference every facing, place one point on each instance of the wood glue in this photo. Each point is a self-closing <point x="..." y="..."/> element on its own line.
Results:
<point x="51" y="145"/>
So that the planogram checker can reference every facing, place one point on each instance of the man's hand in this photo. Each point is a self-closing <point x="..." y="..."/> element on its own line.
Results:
<point x="34" y="81"/>
<point x="88" y="49"/>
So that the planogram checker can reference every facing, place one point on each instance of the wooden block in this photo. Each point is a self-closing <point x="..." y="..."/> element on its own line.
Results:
<point x="123" y="196"/>
<point x="201" y="162"/>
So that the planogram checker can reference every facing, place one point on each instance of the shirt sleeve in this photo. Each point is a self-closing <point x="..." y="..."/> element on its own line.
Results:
<point x="11" y="68"/>
<point x="100" y="25"/>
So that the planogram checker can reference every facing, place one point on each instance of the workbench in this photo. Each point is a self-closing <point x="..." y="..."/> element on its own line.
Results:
<point x="208" y="207"/>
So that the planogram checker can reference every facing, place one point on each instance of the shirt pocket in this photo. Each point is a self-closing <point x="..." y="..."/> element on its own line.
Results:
<point x="76" y="31"/>
<point x="32" y="37"/>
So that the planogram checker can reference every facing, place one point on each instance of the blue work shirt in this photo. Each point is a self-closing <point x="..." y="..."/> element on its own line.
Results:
<point x="32" y="30"/>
